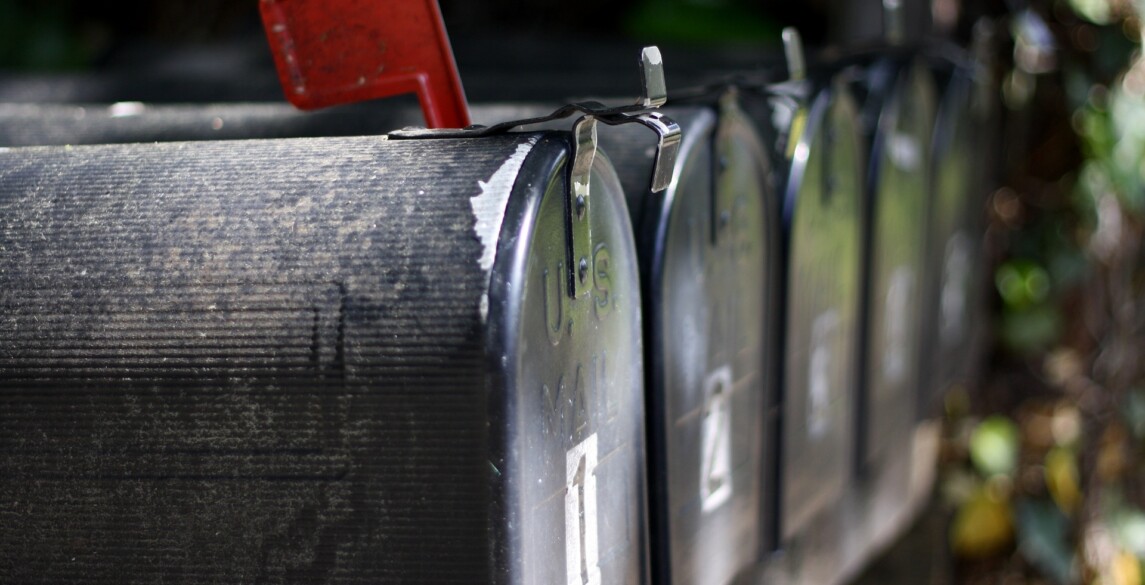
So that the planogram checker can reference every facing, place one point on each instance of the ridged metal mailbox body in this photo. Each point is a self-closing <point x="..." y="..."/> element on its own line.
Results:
<point x="822" y="207"/>
<point x="334" y="360"/>
<point x="899" y="114"/>
<point x="708" y="247"/>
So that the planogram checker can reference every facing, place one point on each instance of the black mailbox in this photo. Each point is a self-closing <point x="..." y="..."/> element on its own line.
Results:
<point x="708" y="249"/>
<point x="351" y="359"/>
<point x="954" y="243"/>
<point x="898" y="114"/>
<point x="822" y="212"/>
<point x="898" y="117"/>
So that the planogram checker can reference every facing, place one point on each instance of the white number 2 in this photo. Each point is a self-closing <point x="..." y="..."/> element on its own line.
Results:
<point x="715" y="463"/>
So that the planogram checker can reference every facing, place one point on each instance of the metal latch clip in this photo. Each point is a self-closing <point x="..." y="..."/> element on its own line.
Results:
<point x="579" y="230"/>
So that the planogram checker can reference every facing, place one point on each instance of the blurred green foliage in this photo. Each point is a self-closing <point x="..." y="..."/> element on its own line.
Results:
<point x="1112" y="127"/>
<point x="994" y="446"/>
<point x="1070" y="283"/>
<point x="1030" y="321"/>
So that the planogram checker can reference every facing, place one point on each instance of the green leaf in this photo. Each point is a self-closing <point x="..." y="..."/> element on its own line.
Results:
<point x="994" y="446"/>
<point x="1022" y="283"/>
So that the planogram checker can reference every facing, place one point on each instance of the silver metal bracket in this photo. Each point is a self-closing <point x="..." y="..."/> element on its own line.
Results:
<point x="652" y="75"/>
<point x="790" y="98"/>
<point x="655" y="94"/>
<point x="894" y="23"/>
<point x="580" y="181"/>
<point x="668" y="134"/>
<point x="579" y="219"/>
<point x="794" y="55"/>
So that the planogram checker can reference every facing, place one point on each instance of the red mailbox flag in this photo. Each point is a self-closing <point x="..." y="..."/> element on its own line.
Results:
<point x="331" y="52"/>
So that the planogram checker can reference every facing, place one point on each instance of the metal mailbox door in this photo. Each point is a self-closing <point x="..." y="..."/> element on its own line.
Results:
<point x="899" y="188"/>
<point x="708" y="247"/>
<point x="822" y="210"/>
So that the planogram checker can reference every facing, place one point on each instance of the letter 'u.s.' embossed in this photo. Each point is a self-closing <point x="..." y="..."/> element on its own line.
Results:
<point x="602" y="297"/>
<point x="582" y="564"/>
<point x="716" y="443"/>
<point x="555" y="300"/>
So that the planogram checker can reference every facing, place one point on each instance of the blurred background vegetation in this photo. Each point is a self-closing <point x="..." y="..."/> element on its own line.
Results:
<point x="1043" y="459"/>
<point x="1042" y="477"/>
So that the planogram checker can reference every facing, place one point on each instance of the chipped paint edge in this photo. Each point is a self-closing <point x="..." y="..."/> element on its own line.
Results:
<point x="489" y="211"/>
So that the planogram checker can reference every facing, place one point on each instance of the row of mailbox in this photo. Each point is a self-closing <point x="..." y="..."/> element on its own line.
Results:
<point x="493" y="359"/>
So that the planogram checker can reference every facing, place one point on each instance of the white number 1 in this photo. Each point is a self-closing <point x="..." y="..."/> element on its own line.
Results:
<point x="581" y="555"/>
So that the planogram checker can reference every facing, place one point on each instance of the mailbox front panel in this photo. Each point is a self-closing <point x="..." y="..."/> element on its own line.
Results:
<point x="822" y="210"/>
